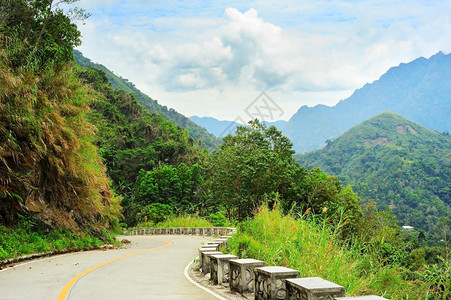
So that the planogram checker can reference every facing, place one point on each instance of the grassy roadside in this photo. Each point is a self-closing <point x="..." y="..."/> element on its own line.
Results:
<point x="315" y="250"/>
<point x="26" y="239"/>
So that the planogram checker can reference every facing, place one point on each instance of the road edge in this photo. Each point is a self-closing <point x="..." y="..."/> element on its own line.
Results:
<point x="186" y="273"/>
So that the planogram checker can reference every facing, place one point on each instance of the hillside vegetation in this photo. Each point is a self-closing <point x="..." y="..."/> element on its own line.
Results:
<point x="365" y="266"/>
<point x="396" y="162"/>
<point x="49" y="166"/>
<point x="198" y="133"/>
<point x="132" y="140"/>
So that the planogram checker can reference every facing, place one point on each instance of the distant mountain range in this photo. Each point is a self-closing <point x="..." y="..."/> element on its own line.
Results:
<point x="398" y="163"/>
<point x="419" y="90"/>
<point x="198" y="133"/>
<point x="222" y="128"/>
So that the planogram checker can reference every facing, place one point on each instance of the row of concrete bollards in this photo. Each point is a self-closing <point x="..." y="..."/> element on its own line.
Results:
<point x="203" y="231"/>
<point x="266" y="282"/>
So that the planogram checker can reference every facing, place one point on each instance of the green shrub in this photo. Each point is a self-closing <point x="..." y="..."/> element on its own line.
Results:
<point x="3" y="253"/>
<point x="156" y="212"/>
<point x="417" y="258"/>
<point x="438" y="277"/>
<point x="218" y="219"/>
<point x="316" y="249"/>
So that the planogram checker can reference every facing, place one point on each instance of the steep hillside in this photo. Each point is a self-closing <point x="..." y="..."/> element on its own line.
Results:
<point x="50" y="172"/>
<point x="418" y="90"/>
<point x="195" y="131"/>
<point x="396" y="162"/>
<point x="131" y="139"/>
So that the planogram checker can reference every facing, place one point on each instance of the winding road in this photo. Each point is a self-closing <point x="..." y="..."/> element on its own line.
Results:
<point x="151" y="267"/>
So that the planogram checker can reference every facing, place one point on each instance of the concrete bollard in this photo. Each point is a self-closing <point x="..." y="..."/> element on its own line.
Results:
<point x="210" y="246"/>
<point x="242" y="274"/>
<point x="269" y="282"/>
<point x="372" y="297"/>
<point x="202" y="249"/>
<point x="219" y="267"/>
<point x="313" y="288"/>
<point x="206" y="260"/>
<point x="222" y="242"/>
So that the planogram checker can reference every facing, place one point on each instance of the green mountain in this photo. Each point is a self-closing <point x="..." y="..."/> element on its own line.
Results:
<point x="195" y="131"/>
<point x="398" y="163"/>
<point x="418" y="90"/>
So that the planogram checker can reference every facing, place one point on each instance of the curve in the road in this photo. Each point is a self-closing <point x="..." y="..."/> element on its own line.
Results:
<point x="66" y="289"/>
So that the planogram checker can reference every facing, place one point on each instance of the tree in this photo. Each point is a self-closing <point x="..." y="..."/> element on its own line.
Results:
<point x="253" y="166"/>
<point x="163" y="187"/>
<point x="39" y="33"/>
<point x="444" y="229"/>
<point x="157" y="212"/>
<point x="349" y="201"/>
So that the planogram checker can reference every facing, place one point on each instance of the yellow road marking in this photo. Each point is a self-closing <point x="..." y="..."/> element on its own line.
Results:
<point x="68" y="286"/>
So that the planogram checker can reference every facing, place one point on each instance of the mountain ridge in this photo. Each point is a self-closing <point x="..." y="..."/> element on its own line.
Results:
<point x="418" y="90"/>
<point x="396" y="162"/>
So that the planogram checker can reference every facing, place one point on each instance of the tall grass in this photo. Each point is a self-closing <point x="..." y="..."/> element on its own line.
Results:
<point x="48" y="162"/>
<point x="315" y="250"/>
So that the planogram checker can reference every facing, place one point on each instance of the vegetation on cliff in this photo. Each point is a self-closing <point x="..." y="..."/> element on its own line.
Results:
<point x="52" y="179"/>
<point x="49" y="167"/>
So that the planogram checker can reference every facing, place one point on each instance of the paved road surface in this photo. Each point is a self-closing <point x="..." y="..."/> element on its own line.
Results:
<point x="156" y="272"/>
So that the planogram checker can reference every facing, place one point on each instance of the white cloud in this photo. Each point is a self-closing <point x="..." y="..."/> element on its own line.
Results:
<point x="245" y="48"/>
<point x="257" y="46"/>
<point x="210" y="58"/>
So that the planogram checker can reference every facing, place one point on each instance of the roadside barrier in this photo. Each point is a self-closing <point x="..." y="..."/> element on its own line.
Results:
<point x="246" y="276"/>
<point x="203" y="231"/>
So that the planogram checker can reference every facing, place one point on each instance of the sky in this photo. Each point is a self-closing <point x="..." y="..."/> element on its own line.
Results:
<point x="214" y="58"/>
